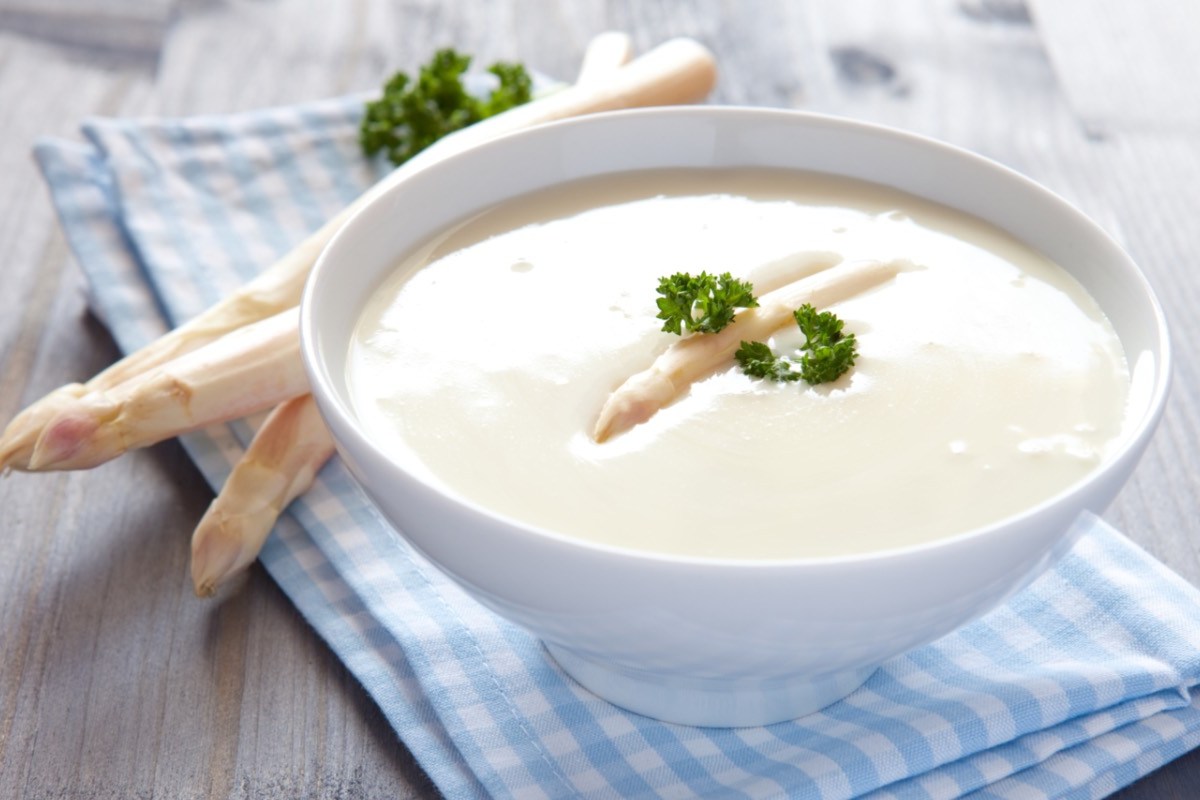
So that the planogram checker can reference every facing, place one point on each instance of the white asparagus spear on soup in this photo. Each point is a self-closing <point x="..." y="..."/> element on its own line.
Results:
<point x="677" y="71"/>
<point x="693" y="357"/>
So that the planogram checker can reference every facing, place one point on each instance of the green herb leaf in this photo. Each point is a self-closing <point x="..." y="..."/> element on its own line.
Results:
<point x="516" y="87"/>
<point x="757" y="361"/>
<point x="828" y="353"/>
<point x="411" y="116"/>
<point x="702" y="304"/>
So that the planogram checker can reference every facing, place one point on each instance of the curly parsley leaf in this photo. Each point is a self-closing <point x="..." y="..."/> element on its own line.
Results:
<point x="410" y="115"/>
<point x="703" y="303"/>
<point x="827" y="352"/>
<point x="757" y="361"/>
<point x="830" y="353"/>
<point x="515" y="88"/>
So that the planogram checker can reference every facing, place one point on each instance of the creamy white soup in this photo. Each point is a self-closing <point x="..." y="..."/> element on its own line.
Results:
<point x="987" y="379"/>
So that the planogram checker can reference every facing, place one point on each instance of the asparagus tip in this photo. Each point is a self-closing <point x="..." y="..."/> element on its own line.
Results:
<point x="61" y="444"/>
<point x="16" y="446"/>
<point x="22" y="432"/>
<point x="600" y="432"/>
<point x="212" y="563"/>
<point x="223" y="545"/>
<point x="632" y="404"/>
<point x="617" y="416"/>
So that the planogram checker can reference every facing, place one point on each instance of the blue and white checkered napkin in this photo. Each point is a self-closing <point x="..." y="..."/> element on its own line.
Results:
<point x="1078" y="686"/>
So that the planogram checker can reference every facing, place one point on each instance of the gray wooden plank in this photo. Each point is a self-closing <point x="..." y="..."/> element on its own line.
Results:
<point x="42" y="95"/>
<point x="1126" y="65"/>
<point x="115" y="30"/>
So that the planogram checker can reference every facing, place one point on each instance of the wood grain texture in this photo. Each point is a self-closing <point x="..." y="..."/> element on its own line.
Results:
<point x="1128" y="64"/>
<point x="114" y="680"/>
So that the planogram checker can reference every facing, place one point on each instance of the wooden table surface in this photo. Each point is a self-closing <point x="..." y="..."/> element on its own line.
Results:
<point x="115" y="681"/>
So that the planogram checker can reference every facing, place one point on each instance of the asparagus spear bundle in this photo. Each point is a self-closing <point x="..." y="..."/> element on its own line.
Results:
<point x="242" y="355"/>
<point x="275" y="290"/>
<point x="247" y="370"/>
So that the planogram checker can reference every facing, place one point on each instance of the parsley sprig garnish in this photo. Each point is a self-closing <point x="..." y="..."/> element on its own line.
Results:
<point x="827" y="353"/>
<point x="411" y="115"/>
<point x="703" y="303"/>
<point x="758" y="361"/>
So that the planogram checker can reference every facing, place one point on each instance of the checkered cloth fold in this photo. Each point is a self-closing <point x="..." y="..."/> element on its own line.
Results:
<point x="1078" y="686"/>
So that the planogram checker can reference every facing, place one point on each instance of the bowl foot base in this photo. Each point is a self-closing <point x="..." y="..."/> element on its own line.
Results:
<point x="708" y="702"/>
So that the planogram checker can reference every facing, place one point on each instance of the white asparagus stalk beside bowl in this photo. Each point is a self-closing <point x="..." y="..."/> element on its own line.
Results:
<point x="280" y="464"/>
<point x="253" y="368"/>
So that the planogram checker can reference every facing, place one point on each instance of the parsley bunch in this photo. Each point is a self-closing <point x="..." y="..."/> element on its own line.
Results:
<point x="702" y="304"/>
<point x="828" y="353"/>
<point x="410" y="115"/>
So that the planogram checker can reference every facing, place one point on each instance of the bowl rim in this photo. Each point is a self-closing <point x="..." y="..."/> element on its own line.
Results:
<point x="1133" y="440"/>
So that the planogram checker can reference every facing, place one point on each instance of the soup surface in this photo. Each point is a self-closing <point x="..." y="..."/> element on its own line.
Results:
<point x="987" y="379"/>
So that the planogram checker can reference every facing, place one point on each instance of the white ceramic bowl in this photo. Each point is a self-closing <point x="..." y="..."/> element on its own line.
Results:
<point x="706" y="641"/>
